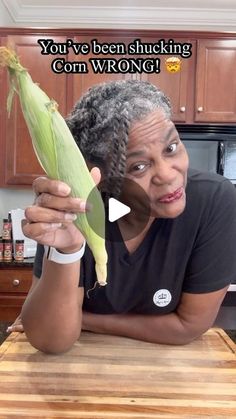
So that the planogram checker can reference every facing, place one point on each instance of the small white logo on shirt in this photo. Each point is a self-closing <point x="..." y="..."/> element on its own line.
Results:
<point x="162" y="298"/>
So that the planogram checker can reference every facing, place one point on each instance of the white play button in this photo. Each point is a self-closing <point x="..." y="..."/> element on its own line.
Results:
<point x="116" y="210"/>
<point x="132" y="201"/>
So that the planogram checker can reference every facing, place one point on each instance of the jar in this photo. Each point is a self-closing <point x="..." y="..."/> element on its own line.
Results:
<point x="19" y="250"/>
<point x="7" y="250"/>
<point x="6" y="229"/>
<point x="1" y="249"/>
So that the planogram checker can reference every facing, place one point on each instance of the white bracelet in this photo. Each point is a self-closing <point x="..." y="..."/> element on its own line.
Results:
<point x="52" y="254"/>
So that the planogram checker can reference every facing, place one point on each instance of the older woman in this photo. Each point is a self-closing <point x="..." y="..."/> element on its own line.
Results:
<point x="167" y="278"/>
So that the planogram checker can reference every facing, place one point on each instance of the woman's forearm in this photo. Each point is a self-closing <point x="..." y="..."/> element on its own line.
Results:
<point x="166" y="329"/>
<point x="51" y="314"/>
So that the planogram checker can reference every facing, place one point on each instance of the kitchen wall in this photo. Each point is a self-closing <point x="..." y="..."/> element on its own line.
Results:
<point x="12" y="199"/>
<point x="5" y="18"/>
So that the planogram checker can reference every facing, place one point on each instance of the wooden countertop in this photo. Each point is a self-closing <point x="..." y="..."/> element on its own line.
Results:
<point x="26" y="263"/>
<point x="109" y="377"/>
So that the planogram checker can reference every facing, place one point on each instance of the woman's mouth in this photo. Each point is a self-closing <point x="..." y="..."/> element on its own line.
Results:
<point x="169" y="198"/>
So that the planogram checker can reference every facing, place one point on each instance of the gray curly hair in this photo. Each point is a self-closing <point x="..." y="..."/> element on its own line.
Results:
<point x="101" y="119"/>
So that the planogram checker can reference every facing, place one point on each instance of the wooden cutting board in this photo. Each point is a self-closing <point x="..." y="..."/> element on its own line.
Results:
<point x="109" y="377"/>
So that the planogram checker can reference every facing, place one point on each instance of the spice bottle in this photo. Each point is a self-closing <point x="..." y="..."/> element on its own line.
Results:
<point x="1" y="249"/>
<point x="19" y="250"/>
<point x="6" y="229"/>
<point x="7" y="250"/>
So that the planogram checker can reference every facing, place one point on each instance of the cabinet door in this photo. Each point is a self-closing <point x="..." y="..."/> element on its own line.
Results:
<point x="21" y="165"/>
<point x="14" y="286"/>
<point x="216" y="81"/>
<point x="82" y="81"/>
<point x="178" y="86"/>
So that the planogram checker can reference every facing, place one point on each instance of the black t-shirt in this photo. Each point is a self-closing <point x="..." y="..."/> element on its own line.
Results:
<point x="194" y="253"/>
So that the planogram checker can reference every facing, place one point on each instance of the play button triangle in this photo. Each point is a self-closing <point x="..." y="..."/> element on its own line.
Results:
<point x="116" y="210"/>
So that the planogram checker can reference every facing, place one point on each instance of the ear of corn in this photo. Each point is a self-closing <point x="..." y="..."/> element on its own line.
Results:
<point x="58" y="154"/>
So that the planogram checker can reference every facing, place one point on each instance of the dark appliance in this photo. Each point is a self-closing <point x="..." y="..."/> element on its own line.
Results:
<point x="211" y="148"/>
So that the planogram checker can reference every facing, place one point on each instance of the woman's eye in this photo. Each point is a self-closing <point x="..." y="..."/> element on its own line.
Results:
<point x="172" y="147"/>
<point x="138" y="167"/>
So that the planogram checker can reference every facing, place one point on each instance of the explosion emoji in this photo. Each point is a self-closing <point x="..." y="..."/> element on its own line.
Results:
<point x="173" y="64"/>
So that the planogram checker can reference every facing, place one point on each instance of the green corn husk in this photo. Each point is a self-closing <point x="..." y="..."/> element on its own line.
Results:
<point x="58" y="154"/>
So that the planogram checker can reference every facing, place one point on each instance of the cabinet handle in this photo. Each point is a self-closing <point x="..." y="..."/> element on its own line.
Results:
<point x="182" y="109"/>
<point x="16" y="282"/>
<point x="200" y="109"/>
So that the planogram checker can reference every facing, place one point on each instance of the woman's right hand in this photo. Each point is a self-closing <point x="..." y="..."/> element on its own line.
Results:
<point x="50" y="220"/>
<point x="17" y="326"/>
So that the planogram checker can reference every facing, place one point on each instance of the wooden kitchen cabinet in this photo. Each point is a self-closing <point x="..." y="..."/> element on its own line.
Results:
<point x="82" y="82"/>
<point x="203" y="91"/>
<point x="20" y="163"/>
<point x="205" y="88"/>
<point x="215" y="81"/>
<point x="179" y="86"/>
<point x="2" y="123"/>
<point x="15" y="283"/>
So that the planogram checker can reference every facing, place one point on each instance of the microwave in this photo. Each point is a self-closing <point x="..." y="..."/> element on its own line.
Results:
<point x="211" y="148"/>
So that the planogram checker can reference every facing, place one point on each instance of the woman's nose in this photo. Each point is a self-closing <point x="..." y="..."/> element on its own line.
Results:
<point x="165" y="173"/>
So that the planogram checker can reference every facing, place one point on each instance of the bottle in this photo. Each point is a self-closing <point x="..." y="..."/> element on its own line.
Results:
<point x="6" y="229"/>
<point x="10" y="223"/>
<point x="1" y="249"/>
<point x="19" y="250"/>
<point x="7" y="250"/>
